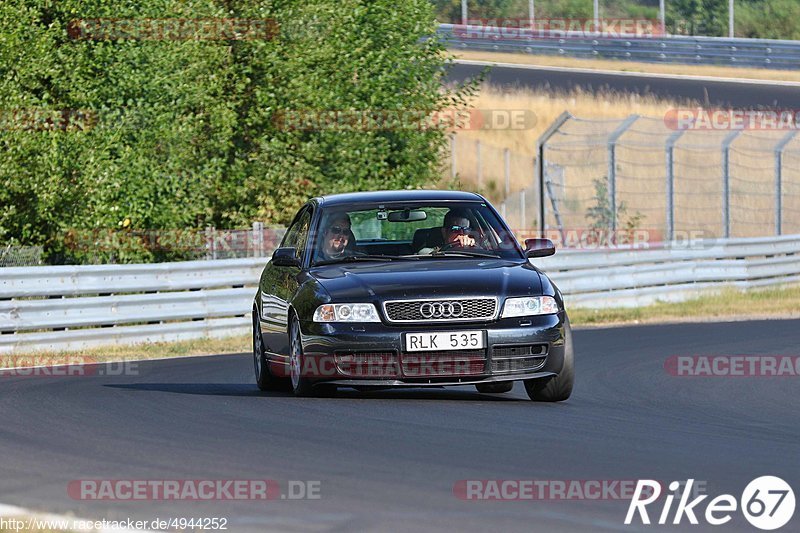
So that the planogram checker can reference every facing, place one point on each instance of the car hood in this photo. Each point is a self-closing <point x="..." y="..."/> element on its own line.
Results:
<point x="353" y="282"/>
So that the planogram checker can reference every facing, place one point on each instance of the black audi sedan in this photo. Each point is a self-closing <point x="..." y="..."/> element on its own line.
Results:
<point x="409" y="289"/>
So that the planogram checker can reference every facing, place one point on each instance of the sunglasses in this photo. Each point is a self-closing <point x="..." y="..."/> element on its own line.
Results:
<point x="338" y="230"/>
<point x="458" y="229"/>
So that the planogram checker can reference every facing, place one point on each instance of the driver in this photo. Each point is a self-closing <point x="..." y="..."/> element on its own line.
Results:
<point x="454" y="232"/>
<point x="335" y="238"/>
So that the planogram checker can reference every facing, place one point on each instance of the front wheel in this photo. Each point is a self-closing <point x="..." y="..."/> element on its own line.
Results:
<point x="264" y="378"/>
<point x="557" y="388"/>
<point x="301" y="386"/>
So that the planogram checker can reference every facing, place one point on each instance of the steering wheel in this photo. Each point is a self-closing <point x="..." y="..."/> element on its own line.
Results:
<point x="456" y="244"/>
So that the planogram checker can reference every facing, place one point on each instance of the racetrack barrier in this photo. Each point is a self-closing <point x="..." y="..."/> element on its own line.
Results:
<point x="59" y="308"/>
<point x="737" y="52"/>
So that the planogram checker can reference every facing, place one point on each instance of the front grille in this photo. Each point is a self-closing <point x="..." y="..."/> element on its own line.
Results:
<point x="521" y="358"/>
<point x="448" y="363"/>
<point x="441" y="310"/>
<point x="368" y="364"/>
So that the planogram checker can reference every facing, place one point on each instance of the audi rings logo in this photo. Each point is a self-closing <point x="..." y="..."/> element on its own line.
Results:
<point x="441" y="310"/>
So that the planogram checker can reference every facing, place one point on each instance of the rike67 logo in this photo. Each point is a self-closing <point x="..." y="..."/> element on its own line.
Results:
<point x="767" y="503"/>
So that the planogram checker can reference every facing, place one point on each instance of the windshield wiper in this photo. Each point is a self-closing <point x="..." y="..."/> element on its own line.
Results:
<point x="367" y="257"/>
<point x="456" y="253"/>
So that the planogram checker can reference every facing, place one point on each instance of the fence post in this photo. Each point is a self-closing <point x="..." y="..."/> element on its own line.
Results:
<point x="781" y="146"/>
<point x="540" y="145"/>
<point x="480" y="163"/>
<point x="211" y="242"/>
<point x="671" y="141"/>
<point x="258" y="239"/>
<point x="507" y="176"/>
<point x="507" y="171"/>
<point x="612" y="167"/>
<point x="453" y="156"/>
<point x="726" y="183"/>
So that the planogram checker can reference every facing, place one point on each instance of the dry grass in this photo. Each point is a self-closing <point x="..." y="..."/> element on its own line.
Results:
<point x="729" y="304"/>
<point x="548" y="105"/>
<point x="626" y="66"/>
<point x="134" y="352"/>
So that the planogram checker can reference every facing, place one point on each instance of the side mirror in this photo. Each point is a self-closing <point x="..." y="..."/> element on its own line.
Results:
<point x="285" y="257"/>
<point x="539" y="247"/>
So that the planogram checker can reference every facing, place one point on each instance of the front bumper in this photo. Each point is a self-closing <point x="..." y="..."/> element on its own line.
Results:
<point x="374" y="354"/>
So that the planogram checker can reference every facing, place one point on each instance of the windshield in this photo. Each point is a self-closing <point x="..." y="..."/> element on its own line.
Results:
<point x="412" y="232"/>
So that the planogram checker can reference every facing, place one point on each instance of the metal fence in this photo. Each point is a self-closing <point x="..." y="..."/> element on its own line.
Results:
<point x="506" y="178"/>
<point x="62" y="308"/>
<point x="639" y="173"/>
<point x="767" y="53"/>
<point x="20" y="255"/>
<point x="104" y="246"/>
<point x="70" y="307"/>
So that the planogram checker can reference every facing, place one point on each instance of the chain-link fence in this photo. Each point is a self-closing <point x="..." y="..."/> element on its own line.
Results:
<point x="102" y="246"/>
<point x="641" y="173"/>
<point x="506" y="178"/>
<point x="11" y="256"/>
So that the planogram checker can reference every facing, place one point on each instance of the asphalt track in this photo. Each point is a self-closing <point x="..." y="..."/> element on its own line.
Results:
<point x="388" y="461"/>
<point x="701" y="91"/>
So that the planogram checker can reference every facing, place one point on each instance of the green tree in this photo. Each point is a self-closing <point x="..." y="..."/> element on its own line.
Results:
<point x="185" y="133"/>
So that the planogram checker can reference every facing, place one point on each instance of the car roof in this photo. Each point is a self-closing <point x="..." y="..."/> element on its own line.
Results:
<point x="412" y="195"/>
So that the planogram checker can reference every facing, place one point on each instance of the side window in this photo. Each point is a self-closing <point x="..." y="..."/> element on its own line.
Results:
<point x="297" y="234"/>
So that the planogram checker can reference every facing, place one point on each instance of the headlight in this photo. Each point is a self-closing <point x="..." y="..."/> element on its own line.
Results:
<point x="529" y="306"/>
<point x="346" y="313"/>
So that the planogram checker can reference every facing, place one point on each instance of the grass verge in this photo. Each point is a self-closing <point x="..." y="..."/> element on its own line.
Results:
<point x="729" y="304"/>
<point x="134" y="352"/>
<point x="626" y="66"/>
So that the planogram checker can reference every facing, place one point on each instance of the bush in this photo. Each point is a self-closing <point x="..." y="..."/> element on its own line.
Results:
<point x="182" y="133"/>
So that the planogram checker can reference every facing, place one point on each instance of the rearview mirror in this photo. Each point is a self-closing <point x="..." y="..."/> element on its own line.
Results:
<point x="285" y="257"/>
<point x="539" y="247"/>
<point x="407" y="215"/>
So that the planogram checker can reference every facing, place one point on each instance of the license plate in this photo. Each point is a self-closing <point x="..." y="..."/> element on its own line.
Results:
<point x="445" y="340"/>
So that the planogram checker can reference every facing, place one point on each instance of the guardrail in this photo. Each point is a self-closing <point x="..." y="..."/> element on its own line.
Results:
<point x="630" y="278"/>
<point x="70" y="307"/>
<point x="767" y="53"/>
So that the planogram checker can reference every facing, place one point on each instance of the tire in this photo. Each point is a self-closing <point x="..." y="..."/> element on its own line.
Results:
<point x="301" y="386"/>
<point x="264" y="378"/>
<point x="495" y="388"/>
<point x="557" y="388"/>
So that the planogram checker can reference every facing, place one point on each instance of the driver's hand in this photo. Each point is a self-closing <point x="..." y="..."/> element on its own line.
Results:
<point x="465" y="240"/>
